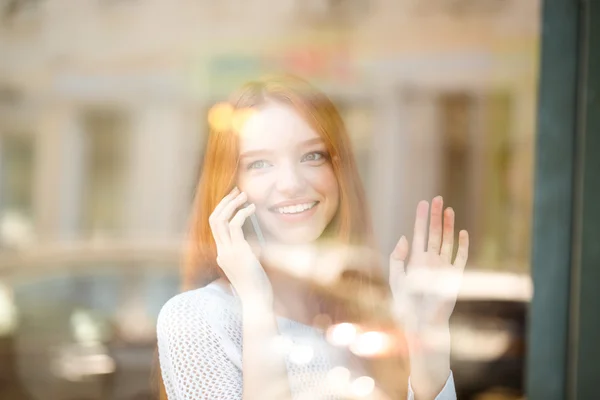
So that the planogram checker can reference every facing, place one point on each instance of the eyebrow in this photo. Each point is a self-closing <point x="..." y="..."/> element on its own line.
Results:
<point x="253" y="153"/>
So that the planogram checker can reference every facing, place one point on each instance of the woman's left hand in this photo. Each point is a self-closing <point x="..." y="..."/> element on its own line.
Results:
<point x="425" y="292"/>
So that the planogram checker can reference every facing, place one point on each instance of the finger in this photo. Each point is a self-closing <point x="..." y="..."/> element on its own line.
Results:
<point x="435" y="225"/>
<point x="221" y="222"/>
<point x="448" y="239"/>
<point x="397" y="262"/>
<point x="218" y="228"/>
<point x="226" y="200"/>
<point x="420" y="232"/>
<point x="463" y="250"/>
<point x="235" y="225"/>
<point x="231" y="207"/>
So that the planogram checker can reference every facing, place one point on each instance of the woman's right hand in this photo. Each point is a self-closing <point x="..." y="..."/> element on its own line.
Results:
<point x="234" y="253"/>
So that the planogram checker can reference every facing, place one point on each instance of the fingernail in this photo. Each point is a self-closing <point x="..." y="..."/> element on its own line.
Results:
<point x="235" y="190"/>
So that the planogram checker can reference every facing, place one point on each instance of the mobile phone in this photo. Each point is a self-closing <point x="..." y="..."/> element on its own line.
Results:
<point x="256" y="227"/>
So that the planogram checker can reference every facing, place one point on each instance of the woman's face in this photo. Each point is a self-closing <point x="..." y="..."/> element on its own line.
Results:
<point x="286" y="172"/>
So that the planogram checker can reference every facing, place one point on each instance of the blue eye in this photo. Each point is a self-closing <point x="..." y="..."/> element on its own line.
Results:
<point x="314" y="156"/>
<point x="258" y="164"/>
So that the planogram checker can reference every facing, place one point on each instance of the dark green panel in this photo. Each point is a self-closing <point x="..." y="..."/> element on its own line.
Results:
<point x="585" y="319"/>
<point x="553" y="202"/>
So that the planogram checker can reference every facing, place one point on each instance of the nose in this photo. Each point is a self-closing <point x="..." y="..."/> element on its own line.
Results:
<point x="289" y="180"/>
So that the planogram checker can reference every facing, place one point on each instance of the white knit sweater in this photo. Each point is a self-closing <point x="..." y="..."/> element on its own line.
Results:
<point x="200" y="351"/>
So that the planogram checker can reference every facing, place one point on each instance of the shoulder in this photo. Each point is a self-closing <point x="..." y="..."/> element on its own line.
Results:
<point x="198" y="306"/>
<point x="203" y="300"/>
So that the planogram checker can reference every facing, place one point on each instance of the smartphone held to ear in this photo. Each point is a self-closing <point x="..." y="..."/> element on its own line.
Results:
<point x="255" y="228"/>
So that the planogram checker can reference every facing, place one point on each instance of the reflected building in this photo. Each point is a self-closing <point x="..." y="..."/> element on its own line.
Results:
<point x="103" y="109"/>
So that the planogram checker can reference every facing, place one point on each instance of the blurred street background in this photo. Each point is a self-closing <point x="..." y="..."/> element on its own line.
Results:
<point x="103" y="108"/>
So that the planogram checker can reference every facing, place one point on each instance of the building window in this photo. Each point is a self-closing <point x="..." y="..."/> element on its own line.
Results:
<point x="17" y="165"/>
<point x="476" y="179"/>
<point x="105" y="151"/>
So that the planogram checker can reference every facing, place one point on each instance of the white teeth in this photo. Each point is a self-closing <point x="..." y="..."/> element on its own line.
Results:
<point x="298" y="208"/>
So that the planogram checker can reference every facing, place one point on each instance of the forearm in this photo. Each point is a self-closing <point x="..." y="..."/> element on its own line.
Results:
<point x="430" y="361"/>
<point x="264" y="369"/>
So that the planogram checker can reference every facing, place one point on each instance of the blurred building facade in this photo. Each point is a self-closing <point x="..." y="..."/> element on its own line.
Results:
<point x="103" y="108"/>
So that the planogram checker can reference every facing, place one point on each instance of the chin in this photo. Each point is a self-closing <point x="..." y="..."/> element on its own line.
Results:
<point x="298" y="237"/>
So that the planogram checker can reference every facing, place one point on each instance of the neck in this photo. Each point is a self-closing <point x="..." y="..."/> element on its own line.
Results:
<point x="293" y="300"/>
<point x="287" y="266"/>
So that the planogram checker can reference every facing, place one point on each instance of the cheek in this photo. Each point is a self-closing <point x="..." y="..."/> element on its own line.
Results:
<point x="254" y="186"/>
<point x="324" y="181"/>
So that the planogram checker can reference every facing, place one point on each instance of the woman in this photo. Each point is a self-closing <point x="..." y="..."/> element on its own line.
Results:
<point x="279" y="151"/>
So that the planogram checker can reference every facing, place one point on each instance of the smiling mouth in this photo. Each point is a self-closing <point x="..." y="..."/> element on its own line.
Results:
<point x="295" y="209"/>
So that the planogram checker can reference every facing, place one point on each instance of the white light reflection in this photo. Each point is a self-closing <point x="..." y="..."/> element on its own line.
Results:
<point x="468" y="343"/>
<point x="363" y="386"/>
<point x="338" y="379"/>
<point x="16" y="229"/>
<point x="371" y="344"/>
<point x="301" y="354"/>
<point x="342" y="334"/>
<point x="78" y="362"/>
<point x="85" y="328"/>
<point x="8" y="311"/>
